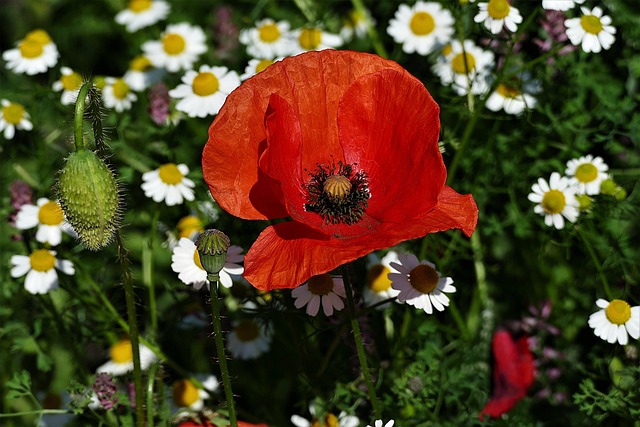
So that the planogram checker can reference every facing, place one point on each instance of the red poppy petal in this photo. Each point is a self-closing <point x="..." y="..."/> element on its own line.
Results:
<point x="452" y="211"/>
<point x="500" y="405"/>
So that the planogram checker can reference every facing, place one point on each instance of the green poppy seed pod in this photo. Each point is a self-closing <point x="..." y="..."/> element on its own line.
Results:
<point x="212" y="247"/>
<point x="88" y="194"/>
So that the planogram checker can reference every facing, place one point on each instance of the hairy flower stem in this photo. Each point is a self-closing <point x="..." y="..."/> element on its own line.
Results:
<point x="222" y="359"/>
<point x="596" y="263"/>
<point x="362" y="357"/>
<point x="79" y="116"/>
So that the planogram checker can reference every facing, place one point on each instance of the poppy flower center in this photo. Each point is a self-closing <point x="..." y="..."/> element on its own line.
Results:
<point x="553" y="201"/>
<point x="329" y="421"/>
<point x="196" y="259"/>
<point x="185" y="393"/>
<point x="140" y="63"/>
<point x="137" y="6"/>
<point x="591" y="24"/>
<point x="507" y="91"/>
<point x="422" y="23"/>
<point x="247" y="330"/>
<point x="42" y="260"/>
<point x="121" y="352"/>
<point x="170" y="174"/>
<point x="50" y="214"/>
<point x="424" y="278"/>
<point x="120" y="89"/>
<point x="586" y="172"/>
<point x="339" y="195"/>
<point x="39" y="36"/>
<point x="51" y="401"/>
<point x="31" y="49"/>
<point x="377" y="278"/>
<point x="13" y="113"/>
<point x="618" y="312"/>
<point x="173" y="43"/>
<point x="205" y="84"/>
<point x="269" y="33"/>
<point x="310" y="38"/>
<point x="463" y="63"/>
<point x="498" y="9"/>
<point x="262" y="65"/>
<point x="320" y="285"/>
<point x="71" y="81"/>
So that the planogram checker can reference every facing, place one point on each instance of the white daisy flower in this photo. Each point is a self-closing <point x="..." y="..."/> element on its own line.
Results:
<point x="142" y="13"/>
<point x="256" y="66"/>
<point x="378" y="287"/>
<point x="187" y="395"/>
<point x="168" y="183"/>
<point x="121" y="358"/>
<point x="185" y="261"/>
<point x="329" y="419"/>
<point x="48" y="216"/>
<point x="202" y="93"/>
<point x="179" y="47"/>
<point x="40" y="268"/>
<point x="587" y="174"/>
<point x="465" y="66"/>
<point x="616" y="321"/>
<point x="497" y="14"/>
<point x="117" y="94"/>
<point x="562" y="5"/>
<point x="555" y="200"/>
<point x="313" y="38"/>
<point x="514" y="95"/>
<point x="13" y="116"/>
<point x="268" y="39"/>
<point x="248" y="339"/>
<point x="320" y="290"/>
<point x="36" y="53"/>
<point x="69" y="84"/>
<point x="422" y="28"/>
<point x="357" y="24"/>
<point x="189" y="226"/>
<point x="379" y="423"/>
<point x="142" y="74"/>
<point x="420" y="284"/>
<point x="592" y="30"/>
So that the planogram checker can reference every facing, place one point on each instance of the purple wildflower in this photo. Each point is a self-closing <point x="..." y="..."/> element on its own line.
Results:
<point x="159" y="103"/>
<point x="105" y="389"/>
<point x="225" y="32"/>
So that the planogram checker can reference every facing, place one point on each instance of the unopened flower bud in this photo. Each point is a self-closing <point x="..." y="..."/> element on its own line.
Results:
<point x="212" y="247"/>
<point x="584" y="201"/>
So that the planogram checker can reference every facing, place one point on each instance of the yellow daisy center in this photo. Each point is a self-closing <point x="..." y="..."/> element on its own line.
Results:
<point x="422" y="23"/>
<point x="205" y="84"/>
<point x="121" y="352"/>
<point x="137" y="6"/>
<point x="553" y="202"/>
<point x="269" y="33"/>
<point x="31" y="49"/>
<point x="329" y="421"/>
<point x="618" y="312"/>
<point x="463" y="63"/>
<point x="591" y="24"/>
<point x="42" y="260"/>
<point x="247" y="330"/>
<point x="498" y="9"/>
<point x="377" y="278"/>
<point x="170" y="174"/>
<point x="196" y="259"/>
<point x="424" y="278"/>
<point x="173" y="43"/>
<point x="140" y="63"/>
<point x="321" y="284"/>
<point x="586" y="172"/>
<point x="120" y="89"/>
<point x="39" y="36"/>
<point x="71" y="81"/>
<point x="13" y="113"/>
<point x="185" y="393"/>
<point x="262" y="65"/>
<point x="50" y="214"/>
<point x="310" y="38"/>
<point x="52" y="401"/>
<point x="188" y="225"/>
<point x="507" y="91"/>
<point x="447" y="49"/>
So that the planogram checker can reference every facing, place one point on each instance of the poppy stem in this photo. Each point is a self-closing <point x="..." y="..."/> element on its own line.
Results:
<point x="357" y="336"/>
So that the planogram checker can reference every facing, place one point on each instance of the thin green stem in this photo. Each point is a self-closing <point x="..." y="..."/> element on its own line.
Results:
<point x="596" y="263"/>
<point x="151" y="379"/>
<point x="482" y="295"/>
<point x="357" y="336"/>
<point x="35" y="412"/>
<point x="371" y="29"/>
<point x="79" y="116"/>
<point x="147" y="273"/>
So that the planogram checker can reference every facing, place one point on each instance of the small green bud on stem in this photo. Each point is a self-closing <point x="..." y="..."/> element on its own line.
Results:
<point x="212" y="247"/>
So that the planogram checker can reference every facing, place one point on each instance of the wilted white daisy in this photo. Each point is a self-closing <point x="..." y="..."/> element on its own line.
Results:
<point x="268" y="39"/>
<point x="378" y="287"/>
<point x="121" y="358"/>
<point x="587" y="173"/>
<point x="555" y="200"/>
<point x="117" y="94"/>
<point x="514" y="95"/>
<point x="47" y="215"/>
<point x="142" y="13"/>
<point x="379" y="423"/>
<point x="40" y="268"/>
<point x="329" y="419"/>
<point x="256" y="66"/>
<point x="202" y="93"/>
<point x="13" y="116"/>
<point x="616" y="321"/>
<point x="357" y="24"/>
<point x="320" y="290"/>
<point x="592" y="30"/>
<point x="465" y="66"/>
<point x="560" y="4"/>
<point x="497" y="14"/>
<point x="187" y="395"/>
<point x="420" y="284"/>
<point x="421" y="28"/>
<point x="313" y="38"/>
<point x="248" y="339"/>
<point x="186" y="262"/>
<point x="168" y="183"/>
<point x="141" y="73"/>
<point x="69" y="84"/>
<point x="178" y="48"/>
<point x="36" y="53"/>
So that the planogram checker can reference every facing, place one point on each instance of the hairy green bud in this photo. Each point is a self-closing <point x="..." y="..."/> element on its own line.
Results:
<point x="212" y="247"/>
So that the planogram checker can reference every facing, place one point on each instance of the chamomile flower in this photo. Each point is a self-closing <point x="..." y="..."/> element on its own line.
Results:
<point x="69" y="84"/>
<point x="421" y="28"/>
<point x="561" y="5"/>
<point x="187" y="395"/>
<point x="179" y="47"/>
<point x="202" y="93"/>
<point x="555" y="200"/>
<point x="329" y="419"/>
<point x="357" y="24"/>
<point x="379" y="423"/>
<point x="593" y="30"/>
<point x="117" y="94"/>
<point x="378" y="286"/>
<point x="13" y="116"/>
<point x="121" y="358"/>
<point x="185" y="261"/>
<point x="314" y="38"/>
<point x="514" y="95"/>
<point x="168" y="183"/>
<point x="48" y="216"/>
<point x="587" y="174"/>
<point x="465" y="67"/>
<point x="320" y="290"/>
<point x="189" y="226"/>
<point x="256" y="66"/>
<point x="35" y="54"/>
<point x="142" y="13"/>
<point x="248" y="339"/>
<point x="420" y="284"/>
<point x="498" y="14"/>
<point x="141" y="73"/>
<point x="268" y="39"/>
<point x="616" y="321"/>
<point x="40" y="268"/>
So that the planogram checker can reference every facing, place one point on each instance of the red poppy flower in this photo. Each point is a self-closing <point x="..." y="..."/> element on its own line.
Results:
<point x="346" y="145"/>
